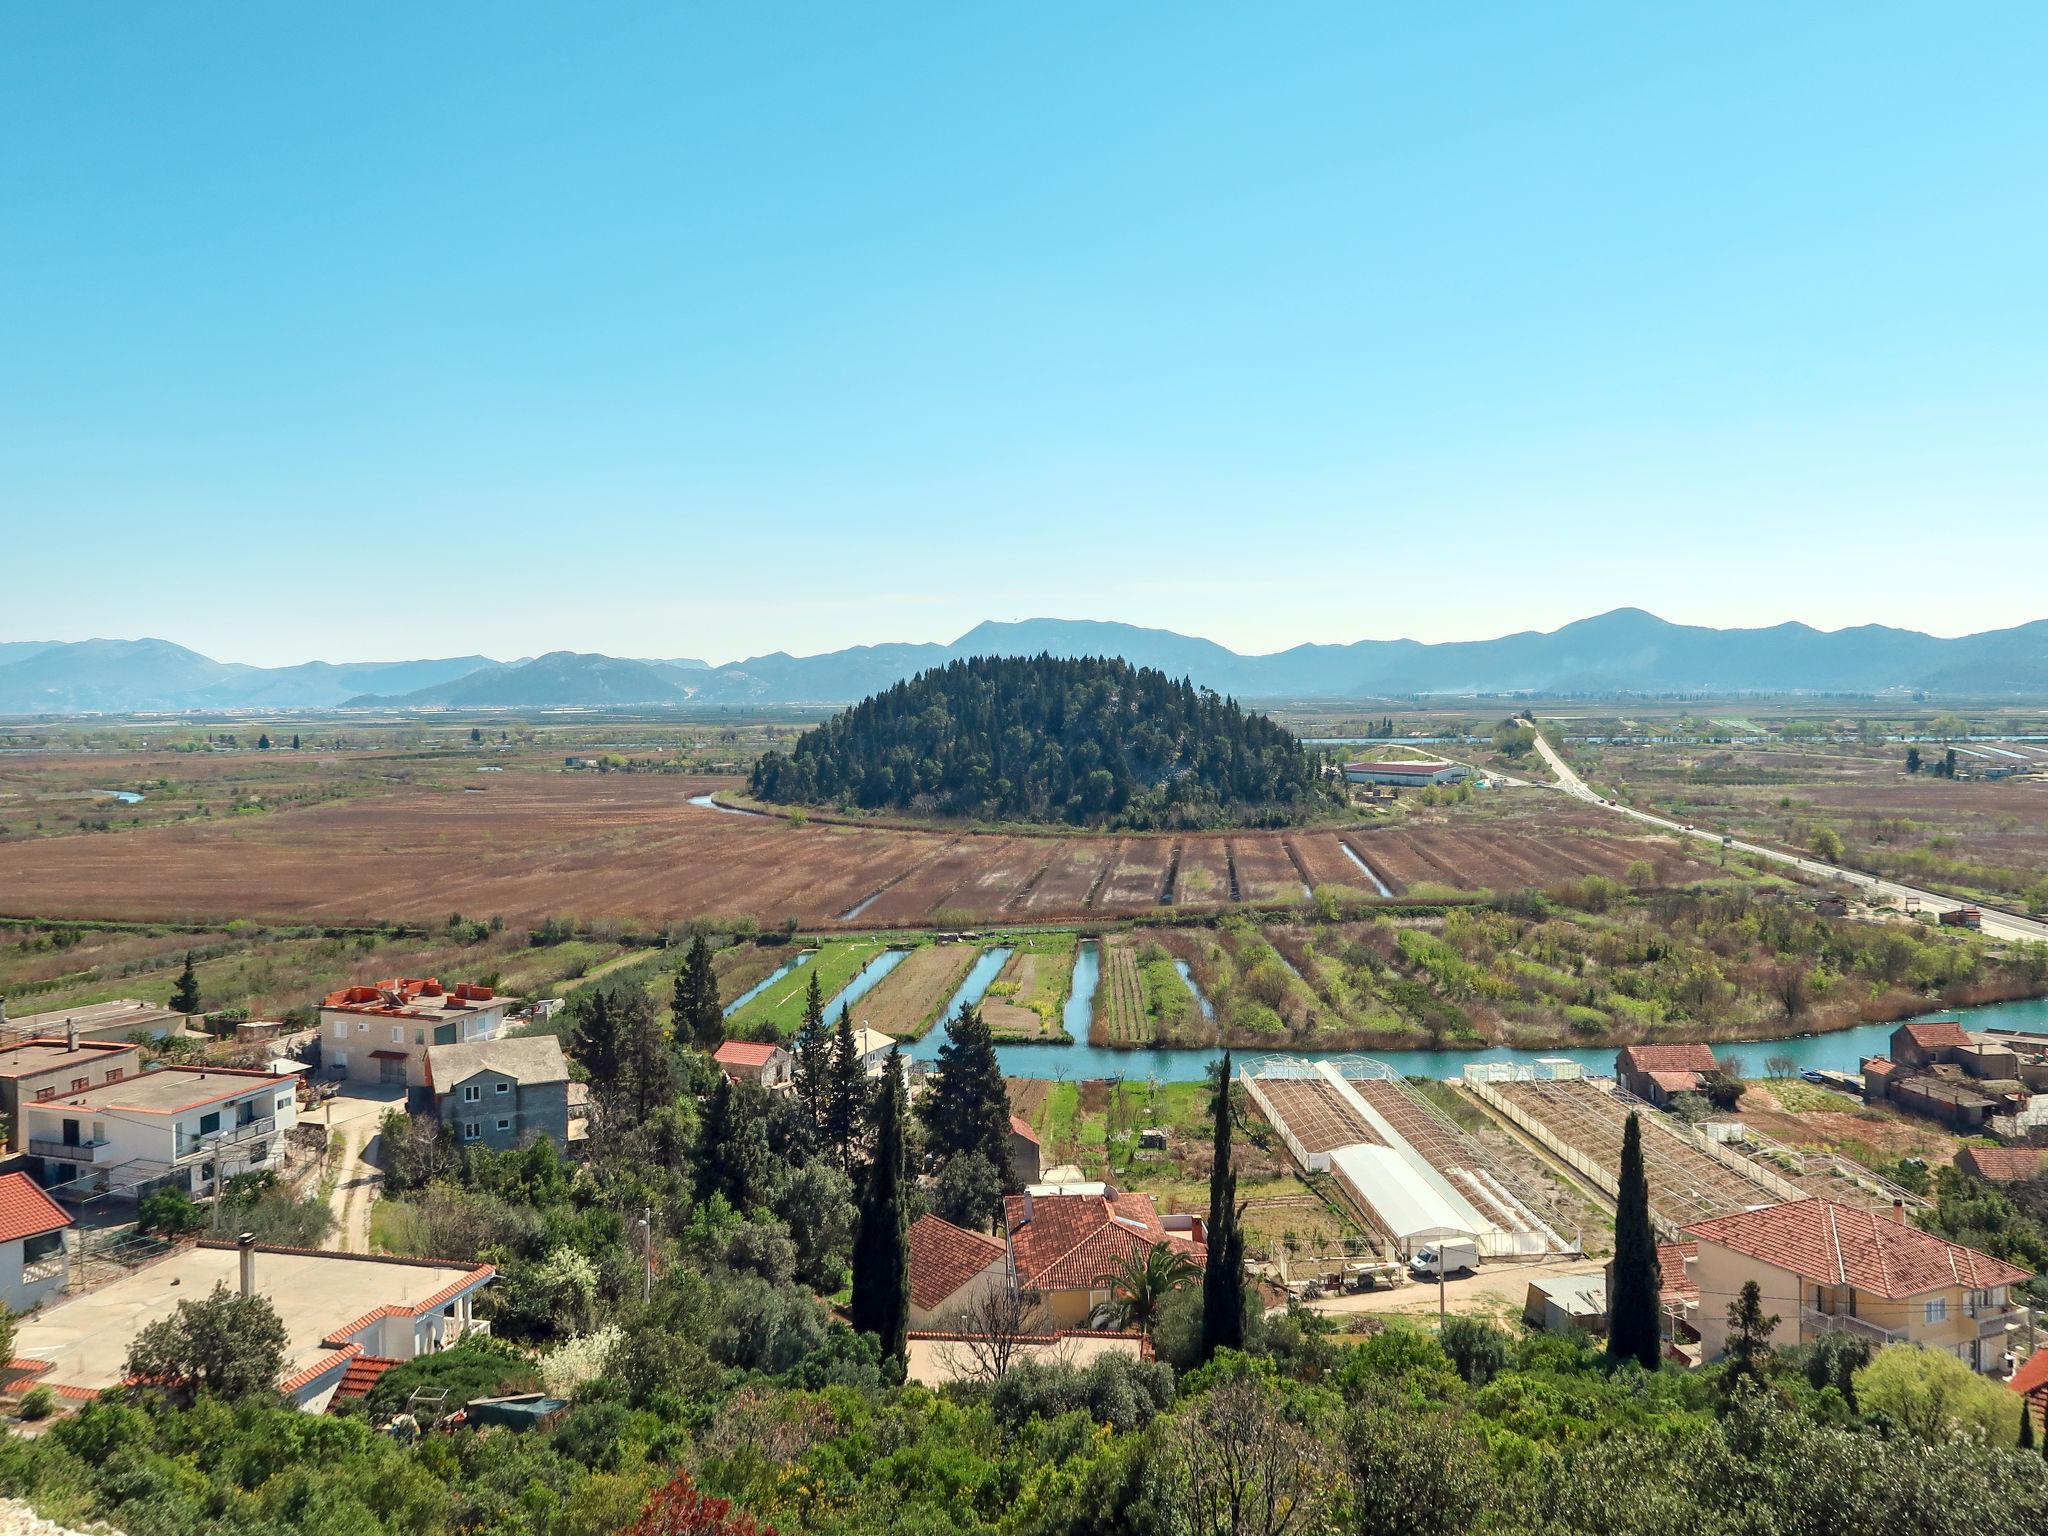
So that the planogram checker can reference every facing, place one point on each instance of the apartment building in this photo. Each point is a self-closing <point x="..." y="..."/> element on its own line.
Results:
<point x="36" y="1071"/>
<point x="179" y="1126"/>
<point x="502" y="1093"/>
<point x="382" y="1033"/>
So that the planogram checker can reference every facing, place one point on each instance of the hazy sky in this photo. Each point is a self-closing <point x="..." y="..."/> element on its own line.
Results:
<point x="372" y="330"/>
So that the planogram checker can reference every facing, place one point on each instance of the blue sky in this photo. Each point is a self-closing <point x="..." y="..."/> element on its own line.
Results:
<point x="379" y="330"/>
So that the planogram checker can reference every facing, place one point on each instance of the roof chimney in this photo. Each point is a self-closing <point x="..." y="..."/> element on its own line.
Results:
<point x="71" y="1034"/>
<point x="245" y="1247"/>
<point x="1899" y="1211"/>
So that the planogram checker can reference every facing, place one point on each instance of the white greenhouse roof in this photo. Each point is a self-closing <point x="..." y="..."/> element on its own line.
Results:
<point x="1408" y="1204"/>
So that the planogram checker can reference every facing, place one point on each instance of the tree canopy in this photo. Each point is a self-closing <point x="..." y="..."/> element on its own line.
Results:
<point x="1040" y="738"/>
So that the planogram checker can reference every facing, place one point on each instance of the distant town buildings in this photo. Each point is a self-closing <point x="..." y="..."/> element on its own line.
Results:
<point x="1418" y="775"/>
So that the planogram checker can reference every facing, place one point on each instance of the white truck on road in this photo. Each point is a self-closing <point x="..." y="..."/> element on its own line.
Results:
<point x="1448" y="1257"/>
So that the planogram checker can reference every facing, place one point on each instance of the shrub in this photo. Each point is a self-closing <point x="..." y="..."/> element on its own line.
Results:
<point x="38" y="1404"/>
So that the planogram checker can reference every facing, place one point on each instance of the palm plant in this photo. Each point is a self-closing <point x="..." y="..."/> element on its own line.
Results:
<point x="1139" y="1285"/>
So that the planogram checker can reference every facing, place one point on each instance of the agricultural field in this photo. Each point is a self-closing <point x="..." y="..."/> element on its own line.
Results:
<point x="1095" y="1125"/>
<point x="271" y="972"/>
<point x="1026" y="999"/>
<point x="1266" y="871"/>
<point x="908" y="1001"/>
<point x="781" y="1007"/>
<point x="1204" y="878"/>
<point x="1120" y="1014"/>
<point x="1977" y="838"/>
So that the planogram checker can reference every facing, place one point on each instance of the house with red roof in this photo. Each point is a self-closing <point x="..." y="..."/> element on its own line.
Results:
<point x="1064" y="1239"/>
<point x="748" y="1061"/>
<point x="1026" y="1156"/>
<point x="2002" y="1165"/>
<point x="33" y="1261"/>
<point x="951" y="1268"/>
<point x="1915" y="1046"/>
<point x="1657" y="1074"/>
<point x="1823" y="1267"/>
<point x="2031" y="1382"/>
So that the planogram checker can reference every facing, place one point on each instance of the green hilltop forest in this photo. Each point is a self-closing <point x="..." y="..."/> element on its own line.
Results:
<point x="1091" y="742"/>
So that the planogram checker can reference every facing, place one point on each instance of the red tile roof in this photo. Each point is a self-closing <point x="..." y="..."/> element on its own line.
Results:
<point x="1068" y="1242"/>
<point x="1939" y="1032"/>
<point x="1879" y="1066"/>
<point x="25" y="1211"/>
<point x="362" y="1373"/>
<point x="1679" y="1284"/>
<point x="1022" y="1127"/>
<point x="1668" y="1058"/>
<point x="1832" y="1244"/>
<point x="745" y="1053"/>
<point x="2001" y="1163"/>
<point x="944" y="1257"/>
<point x="2031" y="1378"/>
<point x="1676" y="1082"/>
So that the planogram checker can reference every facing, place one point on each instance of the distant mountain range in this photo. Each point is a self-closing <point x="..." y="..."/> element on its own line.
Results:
<point x="1623" y="652"/>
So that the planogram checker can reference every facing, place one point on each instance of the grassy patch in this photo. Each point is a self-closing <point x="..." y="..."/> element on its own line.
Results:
<point x="782" y="1005"/>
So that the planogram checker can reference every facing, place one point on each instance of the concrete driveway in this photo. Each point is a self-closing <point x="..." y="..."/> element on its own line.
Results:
<point x="353" y="1117"/>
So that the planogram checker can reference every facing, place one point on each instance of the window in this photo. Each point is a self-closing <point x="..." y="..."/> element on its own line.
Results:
<point x="419" y="1037"/>
<point x="114" y="1074"/>
<point x="397" y="1034"/>
<point x="471" y="1130"/>
<point x="1936" y="1310"/>
<point x="341" y="1029"/>
<point x="504" y="1087"/>
<point x="471" y="1093"/>
<point x="43" y="1095"/>
<point x="504" y="1125"/>
<point x="80" y="1084"/>
<point x="362" y="1026"/>
<point x="209" y="1123"/>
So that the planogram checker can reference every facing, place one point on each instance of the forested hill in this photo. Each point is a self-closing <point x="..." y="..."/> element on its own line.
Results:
<point x="1042" y="738"/>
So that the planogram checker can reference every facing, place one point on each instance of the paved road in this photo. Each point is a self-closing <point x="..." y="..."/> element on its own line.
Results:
<point x="1998" y="925"/>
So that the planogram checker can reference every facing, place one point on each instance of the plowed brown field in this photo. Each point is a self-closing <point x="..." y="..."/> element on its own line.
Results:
<point x="633" y="848"/>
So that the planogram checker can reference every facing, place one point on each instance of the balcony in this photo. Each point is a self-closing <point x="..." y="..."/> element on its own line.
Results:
<point x="210" y="1142"/>
<point x="1996" y="1321"/>
<point x="88" y="1152"/>
<point x="1811" y="1322"/>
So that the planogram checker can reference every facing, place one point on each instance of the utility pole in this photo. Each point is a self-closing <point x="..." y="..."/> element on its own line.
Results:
<point x="647" y="1255"/>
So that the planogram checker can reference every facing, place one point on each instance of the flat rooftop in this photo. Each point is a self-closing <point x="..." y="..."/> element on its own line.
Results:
<point x="28" y="1057"/>
<point x="165" y="1091"/>
<point x="86" y="1338"/>
<point x="126" y="1010"/>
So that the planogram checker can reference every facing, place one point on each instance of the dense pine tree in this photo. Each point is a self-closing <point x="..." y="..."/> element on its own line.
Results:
<point x="615" y="1033"/>
<point x="699" y="1020"/>
<point x="845" y="1093"/>
<point x="881" y="1244"/>
<point x="965" y="1106"/>
<point x="732" y="1157"/>
<point x="1223" y="1279"/>
<point x="1041" y="738"/>
<point x="185" y="995"/>
<point x="1633" y="1309"/>
<point x="811" y="1053"/>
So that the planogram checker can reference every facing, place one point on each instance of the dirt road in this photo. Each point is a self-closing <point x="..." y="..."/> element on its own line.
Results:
<point x="353" y="1119"/>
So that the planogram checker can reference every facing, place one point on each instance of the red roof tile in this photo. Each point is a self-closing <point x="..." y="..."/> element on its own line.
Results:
<point x="1832" y="1244"/>
<point x="25" y="1211"/>
<point x="1667" y="1058"/>
<point x="944" y="1257"/>
<point x="1676" y="1082"/>
<point x="1678" y="1284"/>
<point x="1879" y="1066"/>
<point x="2032" y="1376"/>
<point x="1937" y="1033"/>
<point x="2001" y="1163"/>
<point x="1022" y="1127"/>
<point x="745" y="1053"/>
<point x="1068" y="1242"/>
<point x="362" y="1374"/>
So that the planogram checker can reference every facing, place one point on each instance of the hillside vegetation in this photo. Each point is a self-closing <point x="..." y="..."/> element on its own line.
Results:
<point x="1091" y="742"/>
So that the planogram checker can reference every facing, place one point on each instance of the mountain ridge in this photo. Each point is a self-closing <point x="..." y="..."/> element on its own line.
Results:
<point x="1624" y="651"/>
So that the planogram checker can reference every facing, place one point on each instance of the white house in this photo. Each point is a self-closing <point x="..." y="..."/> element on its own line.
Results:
<point x="181" y="1126"/>
<point x="33" y="1263"/>
<point x="381" y="1033"/>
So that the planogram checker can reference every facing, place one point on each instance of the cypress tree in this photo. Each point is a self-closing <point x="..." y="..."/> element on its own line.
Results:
<point x="2026" y="1424"/>
<point x="185" y="995"/>
<point x="881" y="1243"/>
<point x="1632" y="1296"/>
<point x="813" y="1056"/>
<point x="966" y="1104"/>
<point x="844" y="1091"/>
<point x="1223" y="1279"/>
<point x="698" y="1017"/>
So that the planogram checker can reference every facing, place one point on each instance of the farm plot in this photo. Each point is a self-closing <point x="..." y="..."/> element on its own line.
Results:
<point x="782" y="1005"/>
<point x="1024" y="1001"/>
<point x="742" y="965"/>
<point x="907" y="1001"/>
<point x="1140" y="871"/>
<point x="1264" y="871"/>
<point x="1314" y="1113"/>
<point x="1205" y="876"/>
<point x="1070" y="877"/>
<point x="1479" y="857"/>
<point x="1322" y="855"/>
<point x="1686" y="1185"/>
<point x="1120" y="1014"/>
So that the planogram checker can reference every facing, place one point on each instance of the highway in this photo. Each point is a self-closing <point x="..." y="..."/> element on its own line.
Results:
<point x="1999" y="925"/>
